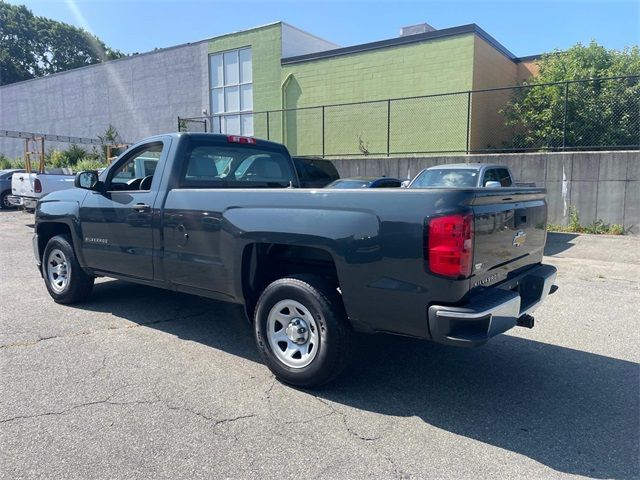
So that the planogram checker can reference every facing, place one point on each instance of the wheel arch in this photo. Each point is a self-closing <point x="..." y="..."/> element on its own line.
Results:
<point x="262" y="263"/>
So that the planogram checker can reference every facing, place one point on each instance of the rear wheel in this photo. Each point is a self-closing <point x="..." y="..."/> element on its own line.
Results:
<point x="63" y="275"/>
<point x="302" y="331"/>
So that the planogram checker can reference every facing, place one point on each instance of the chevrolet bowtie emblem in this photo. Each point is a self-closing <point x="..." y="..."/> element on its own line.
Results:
<point x="519" y="239"/>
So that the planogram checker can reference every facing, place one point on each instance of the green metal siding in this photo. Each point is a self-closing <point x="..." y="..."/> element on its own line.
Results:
<point x="432" y="67"/>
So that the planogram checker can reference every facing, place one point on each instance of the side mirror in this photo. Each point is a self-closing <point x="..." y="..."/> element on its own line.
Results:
<point x="87" y="179"/>
<point x="492" y="184"/>
<point x="405" y="183"/>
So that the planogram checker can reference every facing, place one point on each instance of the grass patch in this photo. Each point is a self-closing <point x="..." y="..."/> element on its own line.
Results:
<point x="597" y="227"/>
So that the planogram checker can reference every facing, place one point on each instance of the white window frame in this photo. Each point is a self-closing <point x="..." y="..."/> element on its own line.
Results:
<point x="223" y="120"/>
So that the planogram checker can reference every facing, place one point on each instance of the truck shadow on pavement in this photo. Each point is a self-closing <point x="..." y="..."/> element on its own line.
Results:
<point x="558" y="242"/>
<point x="573" y="411"/>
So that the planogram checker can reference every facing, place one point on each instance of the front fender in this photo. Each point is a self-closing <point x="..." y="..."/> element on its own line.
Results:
<point x="62" y="208"/>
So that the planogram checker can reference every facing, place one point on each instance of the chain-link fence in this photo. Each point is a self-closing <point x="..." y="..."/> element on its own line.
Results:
<point x="574" y="115"/>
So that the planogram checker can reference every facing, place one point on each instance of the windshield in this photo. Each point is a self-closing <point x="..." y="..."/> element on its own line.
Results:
<point x="446" y="178"/>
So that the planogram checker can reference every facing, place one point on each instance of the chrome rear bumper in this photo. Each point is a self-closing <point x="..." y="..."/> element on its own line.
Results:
<point x="493" y="310"/>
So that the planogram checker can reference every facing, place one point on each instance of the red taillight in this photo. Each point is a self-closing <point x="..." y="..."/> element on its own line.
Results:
<point x="37" y="186"/>
<point x="450" y="245"/>
<point x="238" y="139"/>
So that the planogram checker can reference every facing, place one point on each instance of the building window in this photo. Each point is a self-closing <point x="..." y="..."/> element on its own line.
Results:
<point x="232" y="92"/>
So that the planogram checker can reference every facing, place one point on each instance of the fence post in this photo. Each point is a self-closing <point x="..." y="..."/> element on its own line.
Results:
<point x="468" y="120"/>
<point x="323" y="131"/>
<point x="179" y="129"/>
<point x="388" y="127"/>
<point x="268" y="137"/>
<point x="564" y="116"/>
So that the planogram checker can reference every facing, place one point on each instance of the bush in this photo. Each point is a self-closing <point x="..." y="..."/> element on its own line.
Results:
<point x="73" y="155"/>
<point x="88" y="164"/>
<point x="598" y="227"/>
<point x="56" y="159"/>
<point x="5" y="163"/>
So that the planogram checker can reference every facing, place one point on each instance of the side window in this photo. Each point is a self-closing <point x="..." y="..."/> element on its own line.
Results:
<point x="490" y="176"/>
<point x="136" y="173"/>
<point x="211" y="166"/>
<point x="504" y="178"/>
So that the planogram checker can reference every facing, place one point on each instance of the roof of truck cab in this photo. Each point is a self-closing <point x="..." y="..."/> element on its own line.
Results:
<point x="477" y="166"/>
<point x="222" y="138"/>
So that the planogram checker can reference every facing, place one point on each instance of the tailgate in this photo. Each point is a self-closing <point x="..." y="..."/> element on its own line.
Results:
<point x="22" y="184"/>
<point x="510" y="232"/>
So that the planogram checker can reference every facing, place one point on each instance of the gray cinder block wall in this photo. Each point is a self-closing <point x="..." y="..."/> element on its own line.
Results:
<point x="601" y="185"/>
<point x="140" y="96"/>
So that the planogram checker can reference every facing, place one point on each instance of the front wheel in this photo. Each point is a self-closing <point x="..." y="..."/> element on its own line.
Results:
<point x="301" y="330"/>
<point x="65" y="280"/>
<point x="4" y="200"/>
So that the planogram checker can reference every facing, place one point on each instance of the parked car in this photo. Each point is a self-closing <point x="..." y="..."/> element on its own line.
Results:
<point x="5" y="187"/>
<point x="463" y="175"/>
<point x="315" y="172"/>
<point x="309" y="266"/>
<point x="27" y="188"/>
<point x="365" y="182"/>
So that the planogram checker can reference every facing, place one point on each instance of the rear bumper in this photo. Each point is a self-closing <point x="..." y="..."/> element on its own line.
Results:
<point x="25" y="202"/>
<point x="493" y="310"/>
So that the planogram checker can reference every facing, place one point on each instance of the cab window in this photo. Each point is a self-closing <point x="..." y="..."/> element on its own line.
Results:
<point x="219" y="166"/>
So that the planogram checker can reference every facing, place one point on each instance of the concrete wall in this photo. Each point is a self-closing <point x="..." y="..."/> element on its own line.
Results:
<point x="601" y="185"/>
<point x="140" y="96"/>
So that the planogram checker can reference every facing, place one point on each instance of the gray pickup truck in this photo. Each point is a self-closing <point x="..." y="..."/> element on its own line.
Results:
<point x="459" y="175"/>
<point x="223" y="217"/>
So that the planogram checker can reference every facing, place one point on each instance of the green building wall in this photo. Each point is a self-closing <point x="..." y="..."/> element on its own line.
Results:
<point x="294" y="94"/>
<point x="430" y="124"/>
<point x="266" y="50"/>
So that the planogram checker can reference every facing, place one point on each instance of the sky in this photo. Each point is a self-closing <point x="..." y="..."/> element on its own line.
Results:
<point x="525" y="27"/>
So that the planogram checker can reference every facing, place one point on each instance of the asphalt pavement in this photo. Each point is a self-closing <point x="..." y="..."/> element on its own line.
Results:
<point x="145" y="383"/>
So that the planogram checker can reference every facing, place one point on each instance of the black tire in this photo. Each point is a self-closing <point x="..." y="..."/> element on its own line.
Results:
<point x="4" y="204"/>
<point x="78" y="284"/>
<point x="334" y="332"/>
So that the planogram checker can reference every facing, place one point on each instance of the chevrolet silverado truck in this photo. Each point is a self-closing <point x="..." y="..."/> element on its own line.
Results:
<point x="223" y="217"/>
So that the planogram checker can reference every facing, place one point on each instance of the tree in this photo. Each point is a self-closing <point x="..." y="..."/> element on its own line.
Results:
<point x="598" y="112"/>
<point x="32" y="46"/>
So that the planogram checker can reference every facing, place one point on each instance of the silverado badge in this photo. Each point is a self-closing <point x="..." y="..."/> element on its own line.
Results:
<point x="519" y="239"/>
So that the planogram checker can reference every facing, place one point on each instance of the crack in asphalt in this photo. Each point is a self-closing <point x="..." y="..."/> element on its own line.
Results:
<point x="108" y="401"/>
<point x="92" y="332"/>
<point x="398" y="473"/>
<point x="346" y="424"/>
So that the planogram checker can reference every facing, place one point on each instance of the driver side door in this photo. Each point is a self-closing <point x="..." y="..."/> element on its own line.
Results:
<point x="118" y="232"/>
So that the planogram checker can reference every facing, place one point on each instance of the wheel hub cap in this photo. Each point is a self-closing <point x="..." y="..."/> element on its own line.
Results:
<point x="298" y="331"/>
<point x="292" y="333"/>
<point x="57" y="270"/>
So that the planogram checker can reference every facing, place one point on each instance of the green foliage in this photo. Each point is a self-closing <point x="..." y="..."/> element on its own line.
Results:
<point x="598" y="112"/>
<point x="110" y="135"/>
<point x="32" y="46"/>
<point x="598" y="227"/>
<point x="5" y="163"/>
<point x="89" y="164"/>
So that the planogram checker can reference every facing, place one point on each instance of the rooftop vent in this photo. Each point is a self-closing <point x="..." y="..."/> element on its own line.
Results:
<point x="415" y="29"/>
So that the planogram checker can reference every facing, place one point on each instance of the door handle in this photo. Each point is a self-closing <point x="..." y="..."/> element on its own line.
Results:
<point x="141" y="207"/>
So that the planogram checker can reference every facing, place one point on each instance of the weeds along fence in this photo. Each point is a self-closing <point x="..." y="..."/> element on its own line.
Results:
<point x="602" y="113"/>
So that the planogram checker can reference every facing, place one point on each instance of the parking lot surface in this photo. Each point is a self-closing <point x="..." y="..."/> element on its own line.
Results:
<point x="140" y="382"/>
